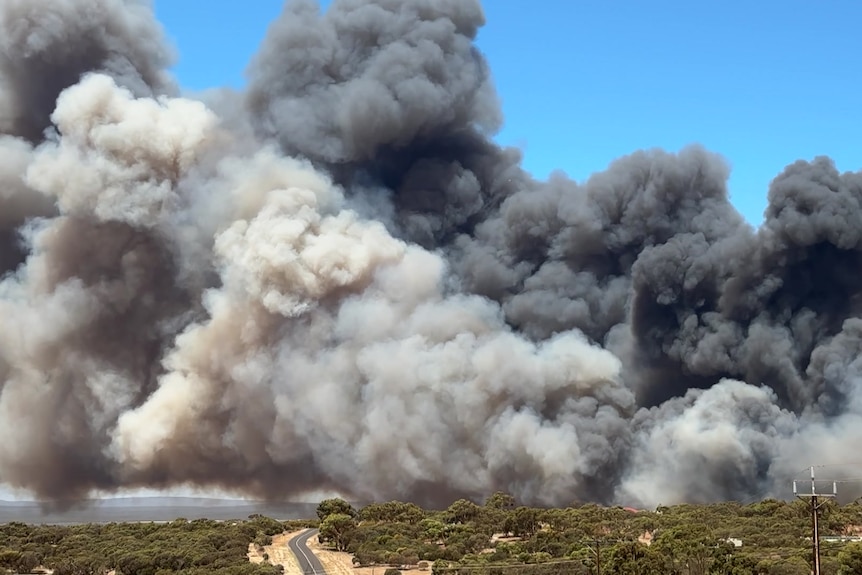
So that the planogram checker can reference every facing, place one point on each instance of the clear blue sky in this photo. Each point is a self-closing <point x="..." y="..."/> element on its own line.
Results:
<point x="585" y="81"/>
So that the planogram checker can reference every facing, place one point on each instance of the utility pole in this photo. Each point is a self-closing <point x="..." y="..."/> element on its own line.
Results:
<point x="598" y="550"/>
<point x="815" y="504"/>
<point x="598" y="557"/>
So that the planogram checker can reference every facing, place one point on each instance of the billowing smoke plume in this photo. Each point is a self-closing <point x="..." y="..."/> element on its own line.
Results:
<point x="337" y="280"/>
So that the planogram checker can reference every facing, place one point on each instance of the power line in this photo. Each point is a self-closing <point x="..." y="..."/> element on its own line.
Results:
<point x="586" y="542"/>
<point x="827" y="466"/>
<point x="478" y="566"/>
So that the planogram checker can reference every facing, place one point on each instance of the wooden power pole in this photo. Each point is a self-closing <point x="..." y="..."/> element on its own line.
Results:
<point x="816" y="502"/>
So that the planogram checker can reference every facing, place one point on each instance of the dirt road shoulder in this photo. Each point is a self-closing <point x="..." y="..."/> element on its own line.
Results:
<point x="278" y="553"/>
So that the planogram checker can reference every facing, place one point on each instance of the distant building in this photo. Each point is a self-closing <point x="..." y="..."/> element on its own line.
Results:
<point x="840" y="538"/>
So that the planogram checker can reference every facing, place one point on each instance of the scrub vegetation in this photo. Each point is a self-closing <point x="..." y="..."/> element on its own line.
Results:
<point x="498" y="537"/>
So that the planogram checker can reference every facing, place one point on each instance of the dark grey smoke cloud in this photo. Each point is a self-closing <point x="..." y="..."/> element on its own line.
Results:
<point x="45" y="47"/>
<point x="337" y="280"/>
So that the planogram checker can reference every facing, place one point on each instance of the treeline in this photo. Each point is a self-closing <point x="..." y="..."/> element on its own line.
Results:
<point x="500" y="538"/>
<point x="496" y="537"/>
<point x="187" y="547"/>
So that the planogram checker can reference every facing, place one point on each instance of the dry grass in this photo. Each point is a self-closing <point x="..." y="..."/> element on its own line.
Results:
<point x="335" y="562"/>
<point x="279" y="553"/>
<point x="338" y="563"/>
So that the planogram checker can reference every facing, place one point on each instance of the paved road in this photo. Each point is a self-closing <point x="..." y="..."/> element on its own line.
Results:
<point x="307" y="561"/>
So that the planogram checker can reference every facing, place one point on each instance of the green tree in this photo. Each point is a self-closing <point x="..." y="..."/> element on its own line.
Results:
<point x="726" y="561"/>
<point x="440" y="567"/>
<point x="26" y="562"/>
<point x="338" y="529"/>
<point x="500" y="500"/>
<point x="392" y="511"/>
<point x="789" y="566"/>
<point x="462" y="511"/>
<point x="432" y="529"/>
<point x="333" y="506"/>
<point x="850" y="559"/>
<point x="632" y="558"/>
<point x="524" y="522"/>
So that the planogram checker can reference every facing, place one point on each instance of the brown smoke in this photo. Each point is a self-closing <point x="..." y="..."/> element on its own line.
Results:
<point x="336" y="279"/>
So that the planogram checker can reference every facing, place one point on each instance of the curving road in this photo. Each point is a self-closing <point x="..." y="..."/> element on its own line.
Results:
<point x="308" y="562"/>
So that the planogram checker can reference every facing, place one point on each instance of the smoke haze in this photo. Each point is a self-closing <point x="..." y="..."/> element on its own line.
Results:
<point x="336" y="280"/>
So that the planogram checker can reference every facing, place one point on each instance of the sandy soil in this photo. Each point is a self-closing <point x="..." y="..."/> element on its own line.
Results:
<point x="380" y="569"/>
<point x="337" y="563"/>
<point x="279" y="553"/>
